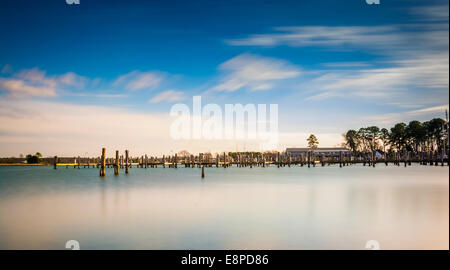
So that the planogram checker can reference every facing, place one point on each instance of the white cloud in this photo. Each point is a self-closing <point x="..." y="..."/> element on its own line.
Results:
<point x="431" y="13"/>
<point x="393" y="40"/>
<point x="20" y="88"/>
<point x="137" y="80"/>
<point x="430" y="73"/>
<point x="254" y="72"/>
<point x="72" y="79"/>
<point x="389" y="119"/>
<point x="412" y="72"/>
<point x="329" y="36"/>
<point x="29" y="82"/>
<point x="35" y="82"/>
<point x="168" y="96"/>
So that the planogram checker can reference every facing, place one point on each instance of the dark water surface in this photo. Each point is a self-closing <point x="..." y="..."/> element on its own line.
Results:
<point x="234" y="208"/>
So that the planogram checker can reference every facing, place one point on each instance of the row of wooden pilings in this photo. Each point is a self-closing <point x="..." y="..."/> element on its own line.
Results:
<point x="249" y="160"/>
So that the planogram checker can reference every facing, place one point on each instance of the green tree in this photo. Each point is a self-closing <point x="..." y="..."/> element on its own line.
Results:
<point x="352" y="140"/>
<point x="369" y="137"/>
<point x="33" y="159"/>
<point x="312" y="141"/>
<point x="399" y="136"/>
<point x="384" y="137"/>
<point x="373" y="135"/>
<point x="434" y="133"/>
<point x="415" y="135"/>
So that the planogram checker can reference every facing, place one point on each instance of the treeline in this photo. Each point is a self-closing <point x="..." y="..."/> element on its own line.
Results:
<point x="413" y="137"/>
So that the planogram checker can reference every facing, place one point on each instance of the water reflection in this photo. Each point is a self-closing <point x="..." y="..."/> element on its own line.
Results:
<point x="234" y="208"/>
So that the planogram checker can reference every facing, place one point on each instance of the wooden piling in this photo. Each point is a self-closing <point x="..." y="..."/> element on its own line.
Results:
<point x="309" y="158"/>
<point x="103" y="163"/>
<point x="126" y="161"/>
<point x="116" y="166"/>
<point x="55" y="162"/>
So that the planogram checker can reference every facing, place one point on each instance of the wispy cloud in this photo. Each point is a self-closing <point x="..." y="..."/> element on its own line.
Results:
<point x="168" y="96"/>
<point x="35" y="82"/>
<point x="137" y="80"/>
<point x="254" y="73"/>
<point x="430" y="73"/>
<point x="325" y="36"/>
<point x="99" y="95"/>
<point x="393" y="40"/>
<point x="412" y="71"/>
<point x="431" y="13"/>
<point x="420" y="114"/>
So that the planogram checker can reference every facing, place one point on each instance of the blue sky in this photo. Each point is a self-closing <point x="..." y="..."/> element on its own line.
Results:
<point x="330" y="65"/>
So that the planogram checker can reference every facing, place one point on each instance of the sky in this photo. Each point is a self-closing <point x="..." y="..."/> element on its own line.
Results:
<point x="75" y="78"/>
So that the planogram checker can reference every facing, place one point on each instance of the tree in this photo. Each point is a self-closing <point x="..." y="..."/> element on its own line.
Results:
<point x="32" y="159"/>
<point x="398" y="136"/>
<point x="372" y="136"/>
<point x="384" y="137"/>
<point x="369" y="137"/>
<point x="312" y="141"/>
<point x="183" y="153"/>
<point x="415" y="134"/>
<point x="434" y="132"/>
<point x="352" y="140"/>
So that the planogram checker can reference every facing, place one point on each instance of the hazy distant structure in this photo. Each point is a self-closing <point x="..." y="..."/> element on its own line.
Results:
<point x="327" y="152"/>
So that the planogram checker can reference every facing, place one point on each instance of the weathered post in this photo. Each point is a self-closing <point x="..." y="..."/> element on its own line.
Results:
<point x="203" y="171"/>
<point x="224" y="160"/>
<point x="405" y="158"/>
<point x="103" y="162"/>
<point x="373" y="158"/>
<point x="55" y="162"/>
<point x="126" y="161"/>
<point x="116" y="164"/>
<point x="309" y="158"/>
<point x="340" y="159"/>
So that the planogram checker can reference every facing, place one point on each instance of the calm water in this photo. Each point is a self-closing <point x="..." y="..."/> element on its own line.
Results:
<point x="233" y="208"/>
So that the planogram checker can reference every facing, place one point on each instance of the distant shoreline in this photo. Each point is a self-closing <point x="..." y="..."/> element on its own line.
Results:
<point x="24" y="164"/>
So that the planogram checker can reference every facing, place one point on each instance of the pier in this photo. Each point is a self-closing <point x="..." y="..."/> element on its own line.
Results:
<point x="249" y="159"/>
